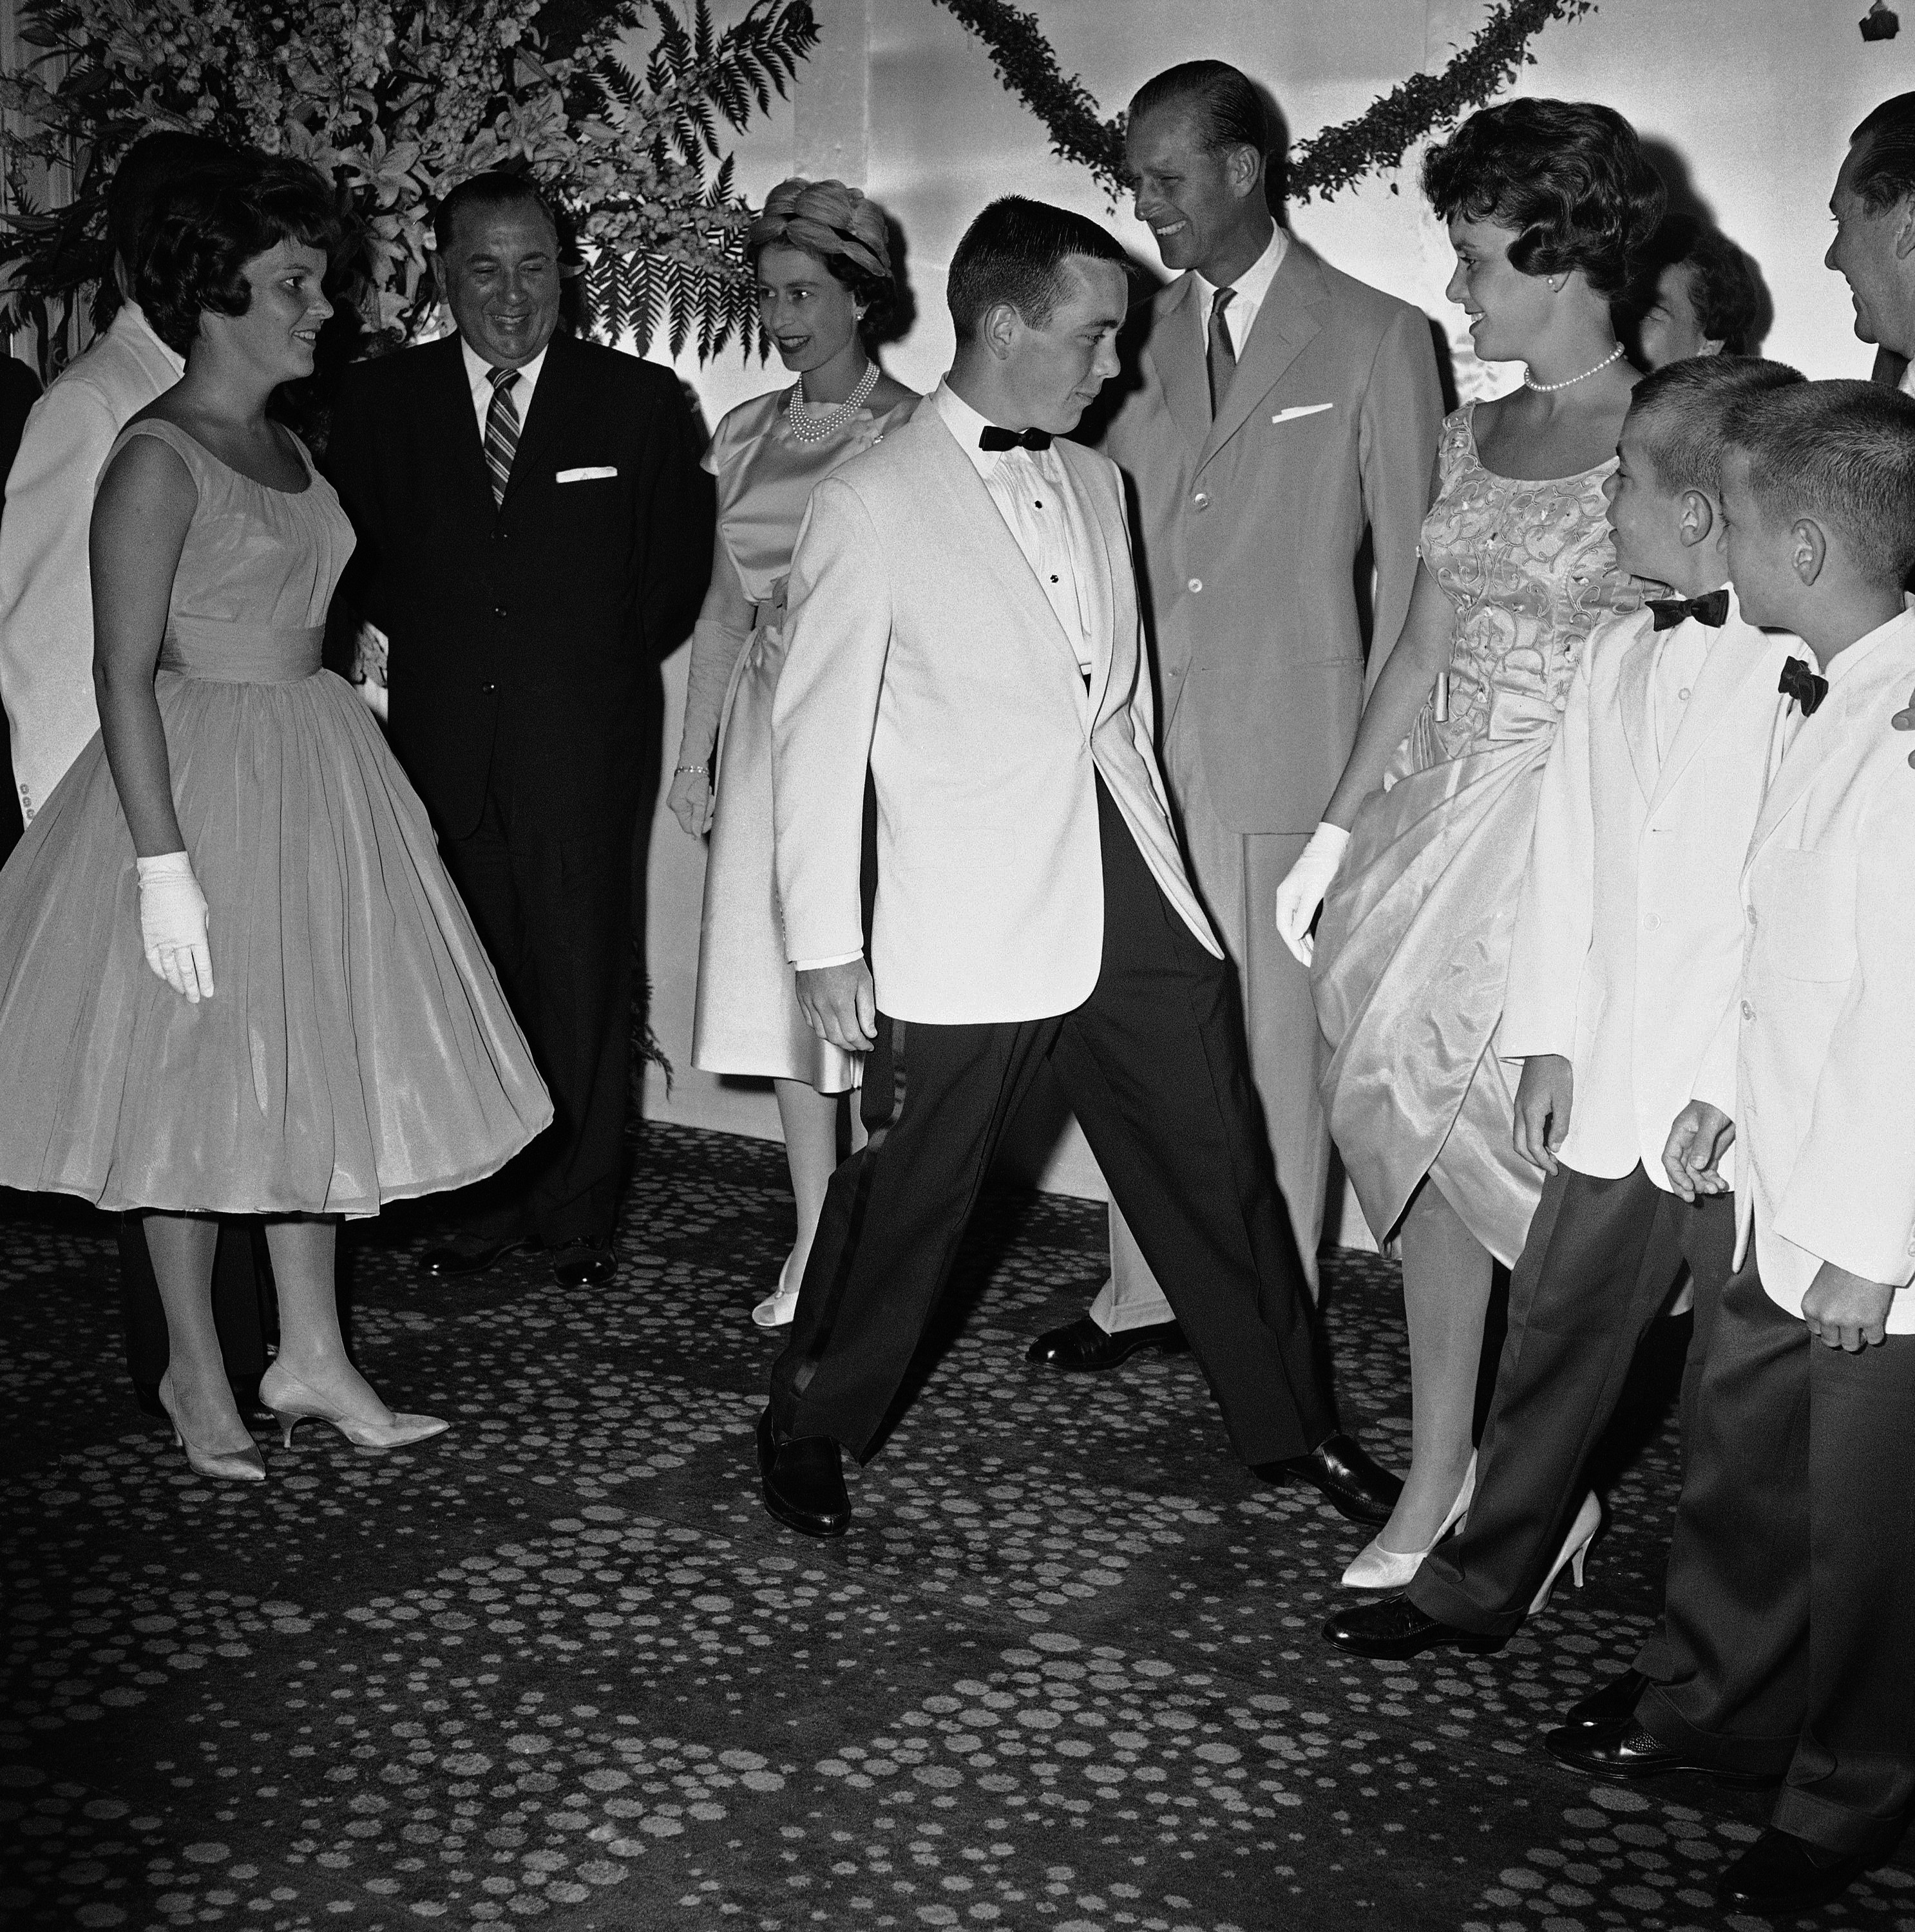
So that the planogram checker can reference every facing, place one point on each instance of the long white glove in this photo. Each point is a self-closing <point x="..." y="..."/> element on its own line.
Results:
<point x="172" y="925"/>
<point x="1301" y="895"/>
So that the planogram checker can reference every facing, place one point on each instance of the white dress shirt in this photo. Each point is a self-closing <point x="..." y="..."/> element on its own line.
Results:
<point x="1251" y="286"/>
<point x="478" y="374"/>
<point x="1680" y="653"/>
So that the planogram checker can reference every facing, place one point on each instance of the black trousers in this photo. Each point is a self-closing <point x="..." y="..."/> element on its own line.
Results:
<point x="1788" y="1625"/>
<point x="1596" y="1268"/>
<point x="237" y="1311"/>
<point x="1154" y="1065"/>
<point x="555" y="914"/>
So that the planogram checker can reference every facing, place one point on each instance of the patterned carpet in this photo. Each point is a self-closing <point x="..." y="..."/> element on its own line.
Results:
<point x="559" y="1667"/>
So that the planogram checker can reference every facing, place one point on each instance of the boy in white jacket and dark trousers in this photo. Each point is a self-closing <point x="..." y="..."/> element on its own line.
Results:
<point x="1789" y="1622"/>
<point x="1620" y="1001"/>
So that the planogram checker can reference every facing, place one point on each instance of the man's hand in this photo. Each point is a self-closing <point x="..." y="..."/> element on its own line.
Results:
<point x="1842" y="1311"/>
<point x="1700" y="1136"/>
<point x="1542" y="1108"/>
<point x="841" y="1005"/>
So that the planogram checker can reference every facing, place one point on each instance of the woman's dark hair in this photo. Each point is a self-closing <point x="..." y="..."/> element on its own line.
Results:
<point x="1722" y="286"/>
<point x="1569" y="176"/>
<point x="207" y="227"/>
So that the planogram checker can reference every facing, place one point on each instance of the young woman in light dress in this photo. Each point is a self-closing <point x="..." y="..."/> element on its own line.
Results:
<point x="824" y="267"/>
<point x="1549" y="204"/>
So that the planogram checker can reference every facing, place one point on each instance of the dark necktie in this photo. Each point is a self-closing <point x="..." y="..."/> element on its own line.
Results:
<point x="1666" y="613"/>
<point x="1221" y="359"/>
<point x="1803" y="685"/>
<point x="991" y="437"/>
<point x="501" y="431"/>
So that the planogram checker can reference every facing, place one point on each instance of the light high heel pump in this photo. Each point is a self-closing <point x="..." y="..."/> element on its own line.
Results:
<point x="1575" y="1548"/>
<point x="221" y="1466"/>
<point x="776" y="1310"/>
<point x="292" y="1402"/>
<point x="1377" y="1568"/>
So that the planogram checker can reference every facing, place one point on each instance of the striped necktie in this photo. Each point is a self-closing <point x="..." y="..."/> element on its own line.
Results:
<point x="1221" y="357"/>
<point x="501" y="431"/>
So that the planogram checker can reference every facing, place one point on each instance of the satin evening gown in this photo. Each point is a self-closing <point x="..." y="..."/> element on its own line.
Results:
<point x="747" y="1020"/>
<point x="357" y="1049"/>
<point x="1412" y="947"/>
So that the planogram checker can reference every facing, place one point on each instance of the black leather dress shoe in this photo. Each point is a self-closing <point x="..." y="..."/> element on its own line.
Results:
<point x="1780" y="1873"/>
<point x="1394" y="1627"/>
<point x="582" y="1265"/>
<point x="803" y="1481"/>
<point x="1083" y="1347"/>
<point x="461" y="1255"/>
<point x="1608" y="1707"/>
<point x="1625" y="1754"/>
<point x="1360" y="1488"/>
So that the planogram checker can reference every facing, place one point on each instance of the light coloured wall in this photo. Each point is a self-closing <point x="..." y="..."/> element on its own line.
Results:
<point x="1753" y="99"/>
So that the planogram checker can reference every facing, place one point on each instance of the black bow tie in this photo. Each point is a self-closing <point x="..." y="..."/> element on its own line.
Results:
<point x="991" y="437"/>
<point x="1668" y="612"/>
<point x="1803" y="685"/>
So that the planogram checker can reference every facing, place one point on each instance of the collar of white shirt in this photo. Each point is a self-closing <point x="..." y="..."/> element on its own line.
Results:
<point x="1906" y="384"/>
<point x="1252" y="286"/>
<point x="133" y="318"/>
<point x="478" y="375"/>
<point x="1863" y="647"/>
<point x="966" y="425"/>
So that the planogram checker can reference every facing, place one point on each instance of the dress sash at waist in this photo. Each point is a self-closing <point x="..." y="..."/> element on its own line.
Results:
<point x="227" y="652"/>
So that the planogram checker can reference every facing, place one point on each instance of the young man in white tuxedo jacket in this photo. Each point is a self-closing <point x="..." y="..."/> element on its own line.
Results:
<point x="46" y="661"/>
<point x="964" y="626"/>
<point x="1620" y="1007"/>
<point x="1789" y="1618"/>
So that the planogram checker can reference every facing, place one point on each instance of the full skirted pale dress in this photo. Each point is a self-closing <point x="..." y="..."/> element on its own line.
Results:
<point x="357" y="1049"/>
<point x="747" y="1020"/>
<point x="1412" y="949"/>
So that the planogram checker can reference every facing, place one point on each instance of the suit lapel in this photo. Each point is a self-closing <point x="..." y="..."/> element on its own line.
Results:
<point x="1290" y="317"/>
<point x="552" y="406"/>
<point x="455" y="426"/>
<point x="1175" y="350"/>
<point x="1732" y="659"/>
<point x="1632" y="699"/>
<point x="1091" y="492"/>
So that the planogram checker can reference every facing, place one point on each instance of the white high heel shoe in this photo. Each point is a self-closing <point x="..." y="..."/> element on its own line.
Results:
<point x="776" y="1310"/>
<point x="1376" y="1568"/>
<point x="221" y="1466"/>
<point x="1575" y="1548"/>
<point x="292" y="1401"/>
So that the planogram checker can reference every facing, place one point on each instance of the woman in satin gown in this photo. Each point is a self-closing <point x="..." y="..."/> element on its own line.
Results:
<point x="234" y="977"/>
<point x="824" y="269"/>
<point x="1548" y="205"/>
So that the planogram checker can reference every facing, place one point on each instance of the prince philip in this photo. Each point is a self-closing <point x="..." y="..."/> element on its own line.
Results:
<point x="964" y="624"/>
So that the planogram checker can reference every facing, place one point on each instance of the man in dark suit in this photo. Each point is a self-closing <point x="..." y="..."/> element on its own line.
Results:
<point x="534" y="532"/>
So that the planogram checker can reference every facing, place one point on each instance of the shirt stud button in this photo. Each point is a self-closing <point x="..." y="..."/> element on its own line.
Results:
<point x="1196" y="583"/>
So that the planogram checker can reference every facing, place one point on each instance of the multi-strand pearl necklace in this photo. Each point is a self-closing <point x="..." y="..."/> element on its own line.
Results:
<point x="810" y="426"/>
<point x="1544" y="388"/>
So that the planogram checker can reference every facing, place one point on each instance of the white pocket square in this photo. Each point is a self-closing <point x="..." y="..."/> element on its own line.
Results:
<point x="592" y="472"/>
<point x="1302" y="410"/>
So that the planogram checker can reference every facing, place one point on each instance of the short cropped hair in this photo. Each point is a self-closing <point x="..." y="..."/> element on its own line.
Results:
<point x="1569" y="176"/>
<point x="1885" y="169"/>
<point x="208" y="226"/>
<point x="146" y="170"/>
<point x="1844" y="453"/>
<point x="488" y="193"/>
<point x="1227" y="108"/>
<point x="1016" y="252"/>
<point x="1722" y="286"/>
<point x="1681" y="409"/>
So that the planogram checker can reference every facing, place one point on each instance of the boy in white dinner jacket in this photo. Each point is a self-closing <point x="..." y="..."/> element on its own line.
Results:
<point x="1789" y="1622"/>
<point x="1621" y="1000"/>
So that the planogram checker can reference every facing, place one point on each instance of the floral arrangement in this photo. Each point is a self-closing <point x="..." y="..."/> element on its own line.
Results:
<point x="1378" y="138"/>
<point x="397" y="100"/>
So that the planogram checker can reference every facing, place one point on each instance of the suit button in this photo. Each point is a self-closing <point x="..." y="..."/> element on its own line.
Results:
<point x="1748" y="1011"/>
<point x="1196" y="583"/>
<point x="1650" y="923"/>
<point x="498" y="611"/>
<point x="488" y="690"/>
<point x="1201" y="500"/>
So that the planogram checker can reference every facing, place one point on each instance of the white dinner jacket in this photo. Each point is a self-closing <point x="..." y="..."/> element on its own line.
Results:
<point x="1825" y="1084"/>
<point x="46" y="588"/>
<point x="1628" y="938"/>
<point x="920" y="644"/>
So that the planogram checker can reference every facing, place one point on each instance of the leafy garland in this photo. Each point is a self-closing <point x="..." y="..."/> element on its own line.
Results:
<point x="1378" y="138"/>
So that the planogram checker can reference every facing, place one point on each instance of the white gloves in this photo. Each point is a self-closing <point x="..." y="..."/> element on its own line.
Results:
<point x="172" y="925"/>
<point x="1300" y="895"/>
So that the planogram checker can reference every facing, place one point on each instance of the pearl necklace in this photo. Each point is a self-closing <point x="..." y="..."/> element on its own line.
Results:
<point x="1544" y="388"/>
<point x="810" y="426"/>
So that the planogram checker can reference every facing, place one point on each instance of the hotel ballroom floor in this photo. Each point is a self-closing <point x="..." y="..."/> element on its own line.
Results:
<point x="559" y="1667"/>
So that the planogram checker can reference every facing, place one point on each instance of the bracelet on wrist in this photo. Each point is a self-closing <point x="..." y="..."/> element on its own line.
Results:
<point x="681" y="771"/>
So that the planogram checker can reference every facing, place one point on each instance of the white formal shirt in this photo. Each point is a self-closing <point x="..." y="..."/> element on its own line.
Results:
<point x="1252" y="286"/>
<point x="478" y="374"/>
<point x="1906" y="384"/>
<point x="1680" y="653"/>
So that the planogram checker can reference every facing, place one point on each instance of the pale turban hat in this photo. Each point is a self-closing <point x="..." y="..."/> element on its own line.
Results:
<point x="825" y="219"/>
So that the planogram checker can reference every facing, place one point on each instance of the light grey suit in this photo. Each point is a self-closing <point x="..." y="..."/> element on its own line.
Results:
<point x="1253" y="533"/>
